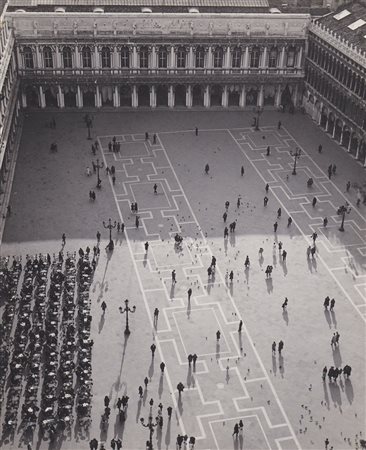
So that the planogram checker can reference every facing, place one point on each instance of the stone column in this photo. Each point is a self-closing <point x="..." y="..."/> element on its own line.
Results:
<point x="116" y="97"/>
<point x="153" y="97"/>
<point x="206" y="97"/>
<point x="77" y="62"/>
<point x="350" y="141"/>
<point x="191" y="58"/>
<point x="242" y="98"/>
<point x="42" y="98"/>
<point x="225" y="97"/>
<point x="278" y="96"/>
<point x="115" y="64"/>
<point x="38" y="58"/>
<point x="299" y="57"/>
<point x="171" y="97"/>
<point x="228" y="57"/>
<point x="246" y="57"/>
<point x="96" y="58"/>
<point x="134" y="57"/>
<point x="209" y="58"/>
<point x="58" y="63"/>
<point x="260" y="99"/>
<point x="264" y="58"/>
<point x="282" y="58"/>
<point x="135" y="97"/>
<point x="60" y="98"/>
<point x="189" y="99"/>
<point x="358" y="148"/>
<point x="296" y="92"/>
<point x="79" y="98"/>
<point x="98" y="99"/>
<point x="172" y="57"/>
<point x="153" y="58"/>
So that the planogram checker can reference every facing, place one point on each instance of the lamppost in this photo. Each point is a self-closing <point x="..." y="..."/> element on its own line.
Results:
<point x="343" y="210"/>
<point x="126" y="310"/>
<point x="258" y="111"/>
<point x="150" y="424"/>
<point x="99" y="166"/>
<point x="110" y="227"/>
<point x="296" y="156"/>
<point x="89" y="124"/>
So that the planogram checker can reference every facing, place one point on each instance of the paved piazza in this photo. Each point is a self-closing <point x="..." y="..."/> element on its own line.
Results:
<point x="281" y="398"/>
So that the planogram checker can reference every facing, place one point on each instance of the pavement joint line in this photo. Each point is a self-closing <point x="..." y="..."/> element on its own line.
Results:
<point x="180" y="421"/>
<point x="238" y="315"/>
<point x="304" y="235"/>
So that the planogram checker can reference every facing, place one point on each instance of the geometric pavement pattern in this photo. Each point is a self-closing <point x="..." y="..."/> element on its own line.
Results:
<point x="139" y="165"/>
<point x="340" y="253"/>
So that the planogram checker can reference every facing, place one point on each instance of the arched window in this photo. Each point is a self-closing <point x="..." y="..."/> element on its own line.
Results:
<point x="47" y="57"/>
<point x="236" y="57"/>
<point x="200" y="57"/>
<point x="106" y="57"/>
<point x="162" y="58"/>
<point x="291" y="57"/>
<point x="67" y="57"/>
<point x="125" y="57"/>
<point x="86" y="54"/>
<point x="254" y="57"/>
<point x="218" y="57"/>
<point x="28" y="58"/>
<point x="273" y="56"/>
<point x="144" y="61"/>
<point x="181" y="57"/>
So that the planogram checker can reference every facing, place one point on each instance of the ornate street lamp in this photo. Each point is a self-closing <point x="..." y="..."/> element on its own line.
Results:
<point x="151" y="425"/>
<point x="110" y="228"/>
<point x="99" y="166"/>
<point x="343" y="210"/>
<point x="127" y="310"/>
<point x="258" y="111"/>
<point x="296" y="155"/>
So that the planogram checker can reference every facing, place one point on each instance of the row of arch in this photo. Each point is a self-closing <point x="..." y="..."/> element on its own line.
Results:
<point x="123" y="56"/>
<point x="334" y="125"/>
<point x="336" y="95"/>
<point x="340" y="71"/>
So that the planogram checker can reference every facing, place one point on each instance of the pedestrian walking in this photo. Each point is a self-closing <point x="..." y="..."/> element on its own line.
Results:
<point x="284" y="304"/>
<point x="146" y="136"/>
<point x="153" y="348"/>
<point x="275" y="226"/>
<point x="326" y="442"/>
<point x="146" y="246"/>
<point x="337" y="336"/>
<point x="236" y="431"/>
<point x="240" y="326"/>
<point x="218" y="335"/>
<point x="247" y="262"/>
<point x="156" y="315"/>
<point x="330" y="170"/>
<point x="194" y="359"/>
<point x="242" y="170"/>
<point x="180" y="387"/>
<point x="326" y="302"/>
<point x="231" y="276"/>
<point x="226" y="232"/>
<point x="320" y="148"/>
<point x="207" y="169"/>
<point x="314" y="236"/>
<point x="238" y="203"/>
<point x="227" y="204"/>
<point x="162" y="367"/>
<point x="196" y="131"/>
<point x="284" y="255"/>
<point x="140" y="390"/>
<point x="273" y="347"/>
<point x="146" y="382"/>
<point x="155" y="188"/>
<point x="122" y="227"/>
<point x="268" y="150"/>
<point x="279" y="212"/>
<point x="98" y="237"/>
<point x="63" y="239"/>
<point x="137" y="222"/>
<point x="174" y="280"/>
<point x="103" y="306"/>
<point x="280" y="347"/>
<point x="324" y="373"/>
<point x="189" y="292"/>
<point x="348" y="186"/>
<point x="279" y="125"/>
<point x="224" y="216"/>
<point x="265" y="201"/>
<point x="118" y="227"/>
<point x="106" y="401"/>
<point x="332" y="303"/>
<point x="314" y="202"/>
<point x="266" y="188"/>
<point x="154" y="139"/>
<point x="190" y="359"/>
<point x="289" y="221"/>
<point x="334" y="168"/>
<point x="113" y="179"/>
<point x="325" y="222"/>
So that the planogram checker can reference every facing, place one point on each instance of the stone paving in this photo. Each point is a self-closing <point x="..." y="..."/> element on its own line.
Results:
<point x="280" y="398"/>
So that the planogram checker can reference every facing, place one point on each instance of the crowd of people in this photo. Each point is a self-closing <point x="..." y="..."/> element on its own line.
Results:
<point x="46" y="345"/>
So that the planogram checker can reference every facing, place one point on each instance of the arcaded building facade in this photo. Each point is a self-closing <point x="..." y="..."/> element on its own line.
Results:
<point x="147" y="59"/>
